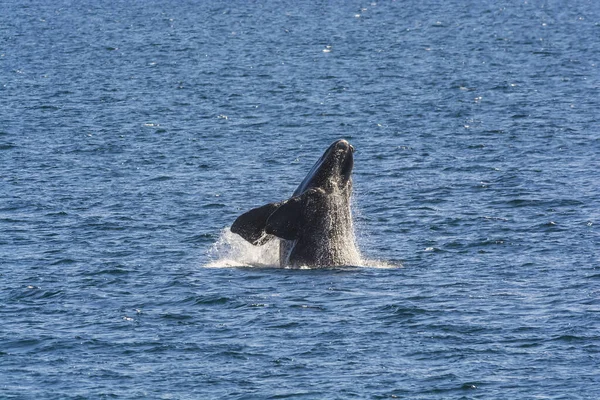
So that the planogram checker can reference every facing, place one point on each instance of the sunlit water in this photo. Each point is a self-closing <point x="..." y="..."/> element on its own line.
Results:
<point x="132" y="135"/>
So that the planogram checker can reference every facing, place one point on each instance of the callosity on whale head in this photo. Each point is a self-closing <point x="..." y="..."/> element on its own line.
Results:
<point x="315" y="224"/>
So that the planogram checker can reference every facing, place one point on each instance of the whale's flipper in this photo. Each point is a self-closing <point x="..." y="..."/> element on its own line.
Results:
<point x="285" y="221"/>
<point x="251" y="225"/>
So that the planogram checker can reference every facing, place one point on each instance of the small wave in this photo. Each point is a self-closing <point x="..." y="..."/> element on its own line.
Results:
<point x="31" y="293"/>
<point x="381" y="264"/>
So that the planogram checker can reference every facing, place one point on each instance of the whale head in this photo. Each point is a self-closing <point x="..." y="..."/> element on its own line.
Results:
<point x="333" y="171"/>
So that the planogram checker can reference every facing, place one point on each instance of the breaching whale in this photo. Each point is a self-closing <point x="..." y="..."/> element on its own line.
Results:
<point x="314" y="226"/>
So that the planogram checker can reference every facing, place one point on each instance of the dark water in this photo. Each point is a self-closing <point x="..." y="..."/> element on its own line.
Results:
<point x="133" y="133"/>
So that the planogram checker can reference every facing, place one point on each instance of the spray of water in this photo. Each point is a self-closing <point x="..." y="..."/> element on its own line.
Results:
<point x="339" y="234"/>
<point x="231" y="250"/>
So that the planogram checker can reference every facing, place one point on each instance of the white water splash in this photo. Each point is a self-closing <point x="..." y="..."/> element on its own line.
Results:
<point x="231" y="250"/>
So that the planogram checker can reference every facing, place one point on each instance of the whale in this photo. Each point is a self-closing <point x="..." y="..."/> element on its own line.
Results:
<point x="314" y="226"/>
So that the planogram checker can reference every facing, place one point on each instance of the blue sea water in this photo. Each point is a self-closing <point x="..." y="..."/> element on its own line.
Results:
<point x="133" y="133"/>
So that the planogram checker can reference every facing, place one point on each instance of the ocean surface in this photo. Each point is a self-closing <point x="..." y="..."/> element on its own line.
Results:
<point x="133" y="133"/>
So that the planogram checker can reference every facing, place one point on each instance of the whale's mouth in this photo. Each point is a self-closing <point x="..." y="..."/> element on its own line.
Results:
<point x="347" y="164"/>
